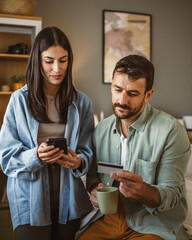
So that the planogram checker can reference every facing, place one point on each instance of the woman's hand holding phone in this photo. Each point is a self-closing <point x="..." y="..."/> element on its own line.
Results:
<point x="55" y="150"/>
<point x="71" y="160"/>
<point x="49" y="154"/>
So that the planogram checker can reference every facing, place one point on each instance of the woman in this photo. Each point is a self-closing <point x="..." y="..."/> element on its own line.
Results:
<point x="46" y="195"/>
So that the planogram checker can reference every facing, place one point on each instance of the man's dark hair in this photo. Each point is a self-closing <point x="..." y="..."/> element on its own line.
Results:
<point x="136" y="67"/>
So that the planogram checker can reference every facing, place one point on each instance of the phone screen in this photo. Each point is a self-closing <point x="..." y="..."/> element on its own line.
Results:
<point x="58" y="142"/>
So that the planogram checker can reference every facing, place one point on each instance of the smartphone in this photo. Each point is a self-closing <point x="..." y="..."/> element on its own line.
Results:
<point x="58" y="142"/>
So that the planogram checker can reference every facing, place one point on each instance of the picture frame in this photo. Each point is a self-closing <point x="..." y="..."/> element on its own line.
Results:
<point x="124" y="33"/>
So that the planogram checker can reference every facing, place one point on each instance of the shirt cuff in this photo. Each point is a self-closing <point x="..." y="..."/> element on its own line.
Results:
<point x="161" y="207"/>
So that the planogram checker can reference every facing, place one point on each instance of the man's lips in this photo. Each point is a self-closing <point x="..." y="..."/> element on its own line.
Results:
<point x="122" y="107"/>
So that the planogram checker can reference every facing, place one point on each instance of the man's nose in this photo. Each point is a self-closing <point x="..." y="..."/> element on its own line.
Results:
<point x="123" y="99"/>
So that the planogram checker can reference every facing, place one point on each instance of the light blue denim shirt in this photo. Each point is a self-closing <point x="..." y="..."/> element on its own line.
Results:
<point x="27" y="186"/>
<point x="158" y="149"/>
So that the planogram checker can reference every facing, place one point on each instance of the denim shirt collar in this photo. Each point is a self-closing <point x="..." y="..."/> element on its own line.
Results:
<point x="71" y="129"/>
<point x="25" y="89"/>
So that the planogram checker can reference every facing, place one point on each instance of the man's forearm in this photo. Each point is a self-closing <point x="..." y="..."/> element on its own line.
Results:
<point x="150" y="196"/>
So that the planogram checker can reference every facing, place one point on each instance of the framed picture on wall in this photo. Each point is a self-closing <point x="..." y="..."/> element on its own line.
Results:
<point x="124" y="33"/>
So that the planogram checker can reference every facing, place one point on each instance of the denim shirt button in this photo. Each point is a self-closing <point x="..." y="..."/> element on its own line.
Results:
<point x="108" y="184"/>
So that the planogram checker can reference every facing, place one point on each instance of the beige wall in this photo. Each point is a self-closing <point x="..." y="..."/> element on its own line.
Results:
<point x="81" y="20"/>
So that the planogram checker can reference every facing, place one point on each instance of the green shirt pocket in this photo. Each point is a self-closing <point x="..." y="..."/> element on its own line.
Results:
<point x="146" y="170"/>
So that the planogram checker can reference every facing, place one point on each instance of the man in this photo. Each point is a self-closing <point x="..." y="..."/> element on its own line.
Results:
<point x="154" y="149"/>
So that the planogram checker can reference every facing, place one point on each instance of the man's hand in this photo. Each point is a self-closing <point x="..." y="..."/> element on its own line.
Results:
<point x="93" y="197"/>
<point x="132" y="186"/>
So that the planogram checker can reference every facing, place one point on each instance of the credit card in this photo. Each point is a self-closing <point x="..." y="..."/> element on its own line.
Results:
<point x="108" y="168"/>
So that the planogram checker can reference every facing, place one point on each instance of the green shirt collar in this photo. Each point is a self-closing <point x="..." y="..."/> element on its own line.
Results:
<point x="141" y="121"/>
<point x="139" y="124"/>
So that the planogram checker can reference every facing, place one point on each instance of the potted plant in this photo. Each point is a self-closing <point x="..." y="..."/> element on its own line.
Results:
<point x="18" y="81"/>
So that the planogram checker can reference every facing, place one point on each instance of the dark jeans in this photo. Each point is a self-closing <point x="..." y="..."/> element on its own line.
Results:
<point x="51" y="232"/>
<point x="55" y="231"/>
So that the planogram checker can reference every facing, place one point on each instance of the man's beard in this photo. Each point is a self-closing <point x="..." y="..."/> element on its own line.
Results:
<point x="130" y="113"/>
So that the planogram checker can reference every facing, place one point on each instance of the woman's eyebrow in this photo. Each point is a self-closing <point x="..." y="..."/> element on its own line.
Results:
<point x="54" y="58"/>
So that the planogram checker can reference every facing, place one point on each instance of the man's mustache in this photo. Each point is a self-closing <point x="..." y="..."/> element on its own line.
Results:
<point x="122" y="106"/>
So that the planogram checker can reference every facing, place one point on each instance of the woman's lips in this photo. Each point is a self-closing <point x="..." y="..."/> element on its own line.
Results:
<point x="56" y="76"/>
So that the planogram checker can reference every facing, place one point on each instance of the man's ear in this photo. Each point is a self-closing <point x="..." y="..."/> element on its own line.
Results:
<point x="149" y="94"/>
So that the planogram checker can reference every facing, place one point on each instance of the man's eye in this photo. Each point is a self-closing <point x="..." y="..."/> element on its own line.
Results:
<point x="133" y="94"/>
<point x="118" y="90"/>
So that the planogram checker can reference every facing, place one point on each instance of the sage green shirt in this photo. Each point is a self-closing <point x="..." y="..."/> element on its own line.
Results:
<point x="158" y="149"/>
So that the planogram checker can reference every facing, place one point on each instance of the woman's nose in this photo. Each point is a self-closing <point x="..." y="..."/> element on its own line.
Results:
<point x="56" y="67"/>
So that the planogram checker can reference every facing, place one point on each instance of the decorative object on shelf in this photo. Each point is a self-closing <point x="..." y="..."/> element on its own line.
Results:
<point x="5" y="88"/>
<point x="188" y="122"/>
<point x="18" y="81"/>
<point x="96" y="120"/>
<point x="19" y="48"/>
<point x="101" y="115"/>
<point x="181" y="120"/>
<point x="20" y="7"/>
<point x="124" y="33"/>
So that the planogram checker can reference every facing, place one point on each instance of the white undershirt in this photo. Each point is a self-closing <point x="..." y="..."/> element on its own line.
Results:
<point x="123" y="149"/>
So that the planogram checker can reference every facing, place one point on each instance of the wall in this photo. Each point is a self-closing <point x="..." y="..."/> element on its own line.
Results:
<point x="81" y="20"/>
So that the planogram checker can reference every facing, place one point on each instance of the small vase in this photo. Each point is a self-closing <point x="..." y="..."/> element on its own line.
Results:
<point x="17" y="86"/>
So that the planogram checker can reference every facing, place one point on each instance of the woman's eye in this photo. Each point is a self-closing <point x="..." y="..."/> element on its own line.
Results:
<point x="63" y="61"/>
<point x="48" y="62"/>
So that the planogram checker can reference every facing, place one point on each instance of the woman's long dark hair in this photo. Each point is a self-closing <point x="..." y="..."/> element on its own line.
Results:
<point x="37" y="104"/>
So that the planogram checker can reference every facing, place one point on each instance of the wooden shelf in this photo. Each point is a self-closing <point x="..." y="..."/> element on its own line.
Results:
<point x="20" y="25"/>
<point x="5" y="93"/>
<point x="14" y="29"/>
<point x="14" y="56"/>
<point x="4" y="206"/>
<point x="20" y="16"/>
